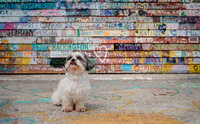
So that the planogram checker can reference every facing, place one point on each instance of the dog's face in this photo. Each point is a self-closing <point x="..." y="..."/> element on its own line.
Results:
<point x="74" y="63"/>
<point x="77" y="63"/>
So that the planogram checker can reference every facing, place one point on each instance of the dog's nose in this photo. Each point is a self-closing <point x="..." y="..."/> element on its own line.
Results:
<point x="73" y="60"/>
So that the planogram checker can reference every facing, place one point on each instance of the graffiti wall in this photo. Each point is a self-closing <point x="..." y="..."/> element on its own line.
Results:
<point x="120" y="36"/>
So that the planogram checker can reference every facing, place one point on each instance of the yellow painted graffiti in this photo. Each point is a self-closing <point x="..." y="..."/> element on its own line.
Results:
<point x="25" y="47"/>
<point x="4" y="45"/>
<point x="167" y="68"/>
<point x="22" y="61"/>
<point x="128" y="118"/>
<point x="106" y="33"/>
<point x="196" y="104"/>
<point x="26" y="61"/>
<point x="128" y="102"/>
<point x="194" y="68"/>
<point x="154" y="68"/>
<point x="142" y="6"/>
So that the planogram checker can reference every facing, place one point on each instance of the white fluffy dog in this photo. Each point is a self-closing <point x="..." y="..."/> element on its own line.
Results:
<point x="72" y="91"/>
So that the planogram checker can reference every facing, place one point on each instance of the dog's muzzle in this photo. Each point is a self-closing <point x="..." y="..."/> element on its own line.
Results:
<point x="73" y="62"/>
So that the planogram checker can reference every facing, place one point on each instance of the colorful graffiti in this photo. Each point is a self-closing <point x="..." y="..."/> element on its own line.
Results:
<point x="129" y="68"/>
<point x="148" y="60"/>
<point x="108" y="12"/>
<point x="106" y="47"/>
<point x="128" y="36"/>
<point x="94" y="5"/>
<point x="105" y="68"/>
<point x="182" y="1"/>
<point x="128" y="19"/>
<point x="103" y="54"/>
<point x="123" y="26"/>
<point x="48" y="40"/>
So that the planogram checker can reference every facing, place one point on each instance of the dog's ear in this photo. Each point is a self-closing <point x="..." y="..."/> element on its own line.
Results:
<point x="89" y="64"/>
<point x="57" y="62"/>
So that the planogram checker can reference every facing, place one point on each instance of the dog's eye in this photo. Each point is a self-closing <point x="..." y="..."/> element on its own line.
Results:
<point x="79" y="58"/>
<point x="68" y="58"/>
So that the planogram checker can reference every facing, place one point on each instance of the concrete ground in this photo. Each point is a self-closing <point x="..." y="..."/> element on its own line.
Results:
<point x="114" y="99"/>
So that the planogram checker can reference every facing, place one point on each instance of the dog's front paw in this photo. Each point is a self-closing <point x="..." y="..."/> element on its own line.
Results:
<point x="67" y="109"/>
<point x="80" y="109"/>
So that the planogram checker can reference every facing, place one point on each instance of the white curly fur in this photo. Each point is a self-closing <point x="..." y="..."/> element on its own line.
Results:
<point x="74" y="88"/>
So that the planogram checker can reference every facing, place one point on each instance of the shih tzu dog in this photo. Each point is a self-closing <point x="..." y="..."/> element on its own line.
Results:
<point x="72" y="91"/>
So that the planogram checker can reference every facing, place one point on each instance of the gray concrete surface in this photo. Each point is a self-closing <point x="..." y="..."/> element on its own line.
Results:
<point x="117" y="99"/>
